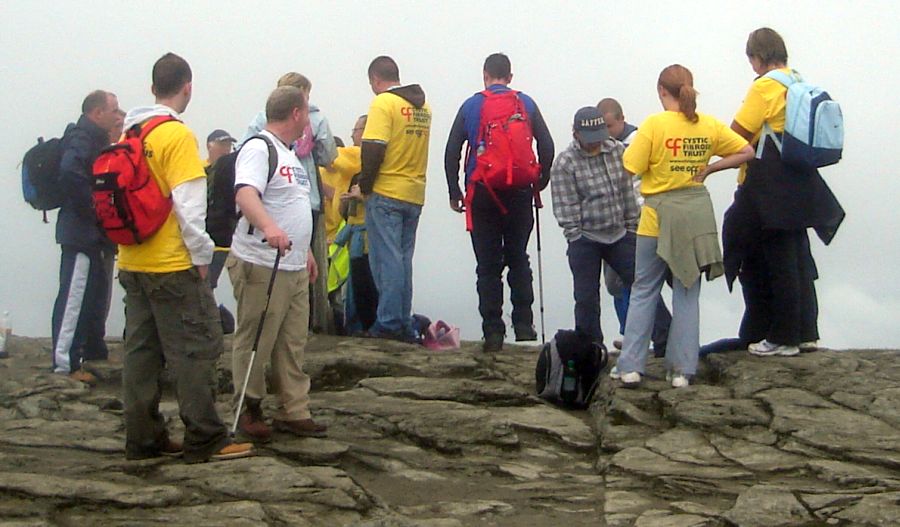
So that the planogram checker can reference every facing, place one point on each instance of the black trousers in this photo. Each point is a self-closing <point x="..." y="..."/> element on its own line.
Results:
<point x="501" y="241"/>
<point x="365" y="294"/>
<point x="78" y="322"/>
<point x="778" y="283"/>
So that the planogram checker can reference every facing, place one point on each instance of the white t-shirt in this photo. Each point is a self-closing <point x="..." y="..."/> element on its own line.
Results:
<point x="285" y="198"/>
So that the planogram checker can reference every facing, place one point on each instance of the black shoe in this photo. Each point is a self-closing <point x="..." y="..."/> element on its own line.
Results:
<point x="493" y="342"/>
<point x="525" y="332"/>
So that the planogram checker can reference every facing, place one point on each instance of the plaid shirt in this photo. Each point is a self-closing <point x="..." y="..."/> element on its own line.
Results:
<point x="593" y="196"/>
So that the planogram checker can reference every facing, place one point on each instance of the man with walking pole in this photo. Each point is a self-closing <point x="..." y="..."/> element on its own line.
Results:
<point x="271" y="244"/>
<point x="503" y="179"/>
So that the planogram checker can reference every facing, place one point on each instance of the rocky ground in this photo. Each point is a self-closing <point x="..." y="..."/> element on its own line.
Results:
<point x="443" y="439"/>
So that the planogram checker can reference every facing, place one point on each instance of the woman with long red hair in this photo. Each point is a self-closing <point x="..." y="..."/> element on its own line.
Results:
<point x="677" y="232"/>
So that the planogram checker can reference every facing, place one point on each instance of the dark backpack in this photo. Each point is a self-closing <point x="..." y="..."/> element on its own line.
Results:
<point x="40" y="174"/>
<point x="568" y="369"/>
<point x="504" y="155"/>
<point x="221" y="210"/>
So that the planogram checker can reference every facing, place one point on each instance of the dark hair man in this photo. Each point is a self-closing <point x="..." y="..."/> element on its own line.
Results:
<point x="394" y="160"/>
<point x="170" y="313"/>
<point x="499" y="240"/>
<point x="278" y="209"/>
<point x="79" y="314"/>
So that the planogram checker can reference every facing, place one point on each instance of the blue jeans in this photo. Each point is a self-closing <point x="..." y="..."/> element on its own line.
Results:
<point x="392" y="228"/>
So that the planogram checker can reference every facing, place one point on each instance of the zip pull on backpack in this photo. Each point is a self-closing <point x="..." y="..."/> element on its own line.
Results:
<point x="129" y="204"/>
<point x="813" y="128"/>
<point x="504" y="155"/>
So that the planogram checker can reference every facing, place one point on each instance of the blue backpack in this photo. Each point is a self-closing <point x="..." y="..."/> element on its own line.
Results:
<point x="814" y="126"/>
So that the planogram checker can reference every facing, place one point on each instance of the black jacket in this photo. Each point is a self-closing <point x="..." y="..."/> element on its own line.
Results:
<point x="76" y="224"/>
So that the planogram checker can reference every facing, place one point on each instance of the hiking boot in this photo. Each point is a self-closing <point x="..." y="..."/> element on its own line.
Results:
<point x="807" y="347"/>
<point x="493" y="342"/>
<point x="631" y="379"/>
<point x="302" y="428"/>
<point x="525" y="332"/>
<point x="83" y="376"/>
<point x="765" y="348"/>
<point x="252" y="424"/>
<point x="233" y="451"/>
<point x="172" y="449"/>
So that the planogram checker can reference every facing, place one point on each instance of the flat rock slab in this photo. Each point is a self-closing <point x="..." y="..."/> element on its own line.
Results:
<point x="267" y="479"/>
<point x="875" y="510"/>
<point x="90" y="490"/>
<point x="643" y="461"/>
<point x="765" y="506"/>
<point x="499" y="393"/>
<point x="226" y="514"/>
<point x="442" y="425"/>
<point x="310" y="450"/>
<point x="549" y="421"/>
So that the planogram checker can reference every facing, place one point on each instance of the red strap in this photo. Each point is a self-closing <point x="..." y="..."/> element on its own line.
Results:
<point x="150" y="125"/>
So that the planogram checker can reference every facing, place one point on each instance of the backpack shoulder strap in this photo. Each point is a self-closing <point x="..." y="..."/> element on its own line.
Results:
<point x="150" y="125"/>
<point x="273" y="154"/>
<point x="783" y="78"/>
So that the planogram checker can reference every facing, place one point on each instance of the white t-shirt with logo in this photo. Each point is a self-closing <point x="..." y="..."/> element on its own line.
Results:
<point x="285" y="198"/>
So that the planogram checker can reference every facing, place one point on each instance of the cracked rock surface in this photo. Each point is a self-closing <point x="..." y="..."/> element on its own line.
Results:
<point x="454" y="439"/>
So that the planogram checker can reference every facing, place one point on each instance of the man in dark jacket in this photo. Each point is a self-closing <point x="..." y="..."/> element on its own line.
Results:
<point x="79" y="315"/>
<point x="499" y="240"/>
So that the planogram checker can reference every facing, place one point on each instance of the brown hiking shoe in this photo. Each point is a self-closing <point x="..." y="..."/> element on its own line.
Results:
<point x="83" y="376"/>
<point x="252" y="424"/>
<point x="234" y="451"/>
<point x="302" y="428"/>
<point x="172" y="449"/>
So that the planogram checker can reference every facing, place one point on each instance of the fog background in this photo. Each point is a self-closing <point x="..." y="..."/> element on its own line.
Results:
<point x="565" y="54"/>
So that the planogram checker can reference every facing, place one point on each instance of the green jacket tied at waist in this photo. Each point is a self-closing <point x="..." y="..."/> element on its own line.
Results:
<point x="688" y="240"/>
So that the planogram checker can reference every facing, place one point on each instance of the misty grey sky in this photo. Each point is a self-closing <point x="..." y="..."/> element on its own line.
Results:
<point x="565" y="54"/>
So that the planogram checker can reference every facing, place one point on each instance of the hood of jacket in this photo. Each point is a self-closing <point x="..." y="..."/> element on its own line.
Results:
<point x="142" y="113"/>
<point x="412" y="93"/>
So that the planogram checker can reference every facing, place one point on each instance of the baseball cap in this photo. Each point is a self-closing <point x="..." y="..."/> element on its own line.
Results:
<point x="590" y="125"/>
<point x="220" y="135"/>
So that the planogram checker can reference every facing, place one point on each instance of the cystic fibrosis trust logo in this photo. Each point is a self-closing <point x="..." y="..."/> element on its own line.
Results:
<point x="418" y="120"/>
<point x="293" y="173"/>
<point x="688" y="146"/>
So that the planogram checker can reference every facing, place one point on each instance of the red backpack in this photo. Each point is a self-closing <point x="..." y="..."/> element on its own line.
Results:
<point x="504" y="154"/>
<point x="128" y="202"/>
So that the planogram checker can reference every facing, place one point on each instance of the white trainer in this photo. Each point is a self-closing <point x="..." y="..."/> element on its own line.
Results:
<point x="631" y="379"/>
<point x="765" y="348"/>
<point x="806" y="347"/>
<point x="680" y="381"/>
<point x="614" y="373"/>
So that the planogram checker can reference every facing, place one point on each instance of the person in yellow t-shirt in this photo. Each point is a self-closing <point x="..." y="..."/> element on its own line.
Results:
<point x="677" y="229"/>
<point x="394" y="158"/>
<point x="765" y="231"/>
<point x="336" y="179"/>
<point x="171" y="318"/>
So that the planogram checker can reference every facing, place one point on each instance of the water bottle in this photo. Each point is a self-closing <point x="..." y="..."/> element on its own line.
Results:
<point x="569" y="391"/>
<point x="5" y="332"/>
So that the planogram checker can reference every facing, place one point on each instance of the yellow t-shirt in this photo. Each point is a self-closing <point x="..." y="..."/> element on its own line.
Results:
<point x="345" y="166"/>
<point x="173" y="156"/>
<point x="669" y="149"/>
<point x="405" y="130"/>
<point x="764" y="102"/>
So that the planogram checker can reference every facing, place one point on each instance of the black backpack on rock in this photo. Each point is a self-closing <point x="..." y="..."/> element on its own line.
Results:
<point x="221" y="211"/>
<point x="568" y="369"/>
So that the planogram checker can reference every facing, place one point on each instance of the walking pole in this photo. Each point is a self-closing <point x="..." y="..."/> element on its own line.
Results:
<point x="259" y="329"/>
<point x="537" y="224"/>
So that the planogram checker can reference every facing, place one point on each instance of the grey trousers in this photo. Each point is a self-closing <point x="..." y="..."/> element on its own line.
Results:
<point x="684" y="334"/>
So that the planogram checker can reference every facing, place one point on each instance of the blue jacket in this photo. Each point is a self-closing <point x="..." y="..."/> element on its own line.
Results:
<point x="465" y="129"/>
<point x="76" y="224"/>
